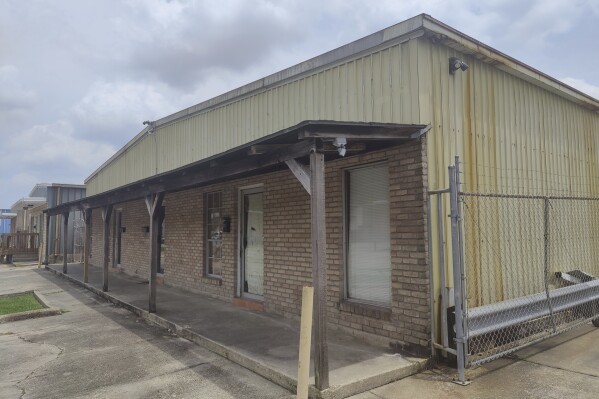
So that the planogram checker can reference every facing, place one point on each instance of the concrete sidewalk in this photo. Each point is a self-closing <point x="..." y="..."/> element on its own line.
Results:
<point x="565" y="366"/>
<point x="263" y="343"/>
<point x="97" y="350"/>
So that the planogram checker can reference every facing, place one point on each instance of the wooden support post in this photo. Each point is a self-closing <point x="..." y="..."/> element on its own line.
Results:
<point x="303" y="364"/>
<point x="87" y="215"/>
<point x="47" y="240"/>
<point x="65" y="240"/>
<point x="319" y="270"/>
<point x="106" y="214"/>
<point x="153" y="203"/>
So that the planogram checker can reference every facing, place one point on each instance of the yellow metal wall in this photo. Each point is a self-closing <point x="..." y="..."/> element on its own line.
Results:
<point x="512" y="137"/>
<point x="381" y="86"/>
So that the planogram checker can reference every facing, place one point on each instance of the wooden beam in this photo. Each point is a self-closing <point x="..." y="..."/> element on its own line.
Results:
<point x="87" y="216"/>
<point x="319" y="270"/>
<point x="195" y="176"/>
<point x="351" y="135"/>
<point x="106" y="214"/>
<point x="259" y="149"/>
<point x="301" y="172"/>
<point x="153" y="203"/>
<point x="350" y="147"/>
<point x="65" y="241"/>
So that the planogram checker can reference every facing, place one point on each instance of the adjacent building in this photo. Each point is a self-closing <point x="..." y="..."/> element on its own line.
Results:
<point x="28" y="222"/>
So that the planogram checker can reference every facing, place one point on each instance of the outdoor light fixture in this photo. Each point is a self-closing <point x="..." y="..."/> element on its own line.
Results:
<point x="340" y="143"/>
<point x="151" y="125"/>
<point x="455" y="64"/>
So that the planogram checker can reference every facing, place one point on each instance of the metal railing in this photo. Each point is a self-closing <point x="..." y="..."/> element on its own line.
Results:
<point x="12" y="244"/>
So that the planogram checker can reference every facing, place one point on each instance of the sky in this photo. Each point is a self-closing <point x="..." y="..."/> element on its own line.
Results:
<point x="78" y="77"/>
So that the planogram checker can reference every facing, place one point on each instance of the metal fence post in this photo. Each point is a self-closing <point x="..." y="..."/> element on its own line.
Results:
<point x="546" y="259"/>
<point x="457" y="277"/>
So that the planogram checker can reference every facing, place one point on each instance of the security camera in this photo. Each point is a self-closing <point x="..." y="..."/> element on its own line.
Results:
<point x="340" y="143"/>
<point x="455" y="64"/>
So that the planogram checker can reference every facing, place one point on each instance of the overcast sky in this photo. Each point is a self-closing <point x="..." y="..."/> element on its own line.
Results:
<point x="78" y="77"/>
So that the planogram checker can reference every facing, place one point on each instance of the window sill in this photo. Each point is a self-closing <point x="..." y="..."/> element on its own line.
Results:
<point x="365" y="309"/>
<point x="214" y="280"/>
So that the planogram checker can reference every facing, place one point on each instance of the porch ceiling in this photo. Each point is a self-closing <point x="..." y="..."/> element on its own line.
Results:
<point x="266" y="154"/>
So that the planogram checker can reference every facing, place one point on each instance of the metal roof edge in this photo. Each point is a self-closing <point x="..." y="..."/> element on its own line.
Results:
<point x="28" y="199"/>
<point x="66" y="185"/>
<point x="510" y="64"/>
<point x="45" y="185"/>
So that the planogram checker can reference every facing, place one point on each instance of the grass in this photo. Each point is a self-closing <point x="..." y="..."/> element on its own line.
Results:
<point x="19" y="303"/>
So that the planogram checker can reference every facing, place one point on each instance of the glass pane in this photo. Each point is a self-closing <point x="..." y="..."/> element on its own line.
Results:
<point x="254" y="248"/>
<point x="213" y="233"/>
<point x="369" y="257"/>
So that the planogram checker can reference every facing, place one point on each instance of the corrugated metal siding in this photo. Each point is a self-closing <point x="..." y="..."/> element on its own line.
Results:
<point x="57" y="196"/>
<point x="512" y="137"/>
<point x="375" y="87"/>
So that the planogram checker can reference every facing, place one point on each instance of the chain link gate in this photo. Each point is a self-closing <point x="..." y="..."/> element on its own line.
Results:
<point x="527" y="269"/>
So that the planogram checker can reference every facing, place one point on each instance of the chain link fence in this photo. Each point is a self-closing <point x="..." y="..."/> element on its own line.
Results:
<point x="531" y="269"/>
<point x="520" y="269"/>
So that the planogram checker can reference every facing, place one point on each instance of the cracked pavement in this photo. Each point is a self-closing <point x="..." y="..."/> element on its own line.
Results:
<point x="97" y="350"/>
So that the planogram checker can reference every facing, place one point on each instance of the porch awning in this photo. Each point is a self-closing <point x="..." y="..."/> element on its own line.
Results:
<point x="266" y="154"/>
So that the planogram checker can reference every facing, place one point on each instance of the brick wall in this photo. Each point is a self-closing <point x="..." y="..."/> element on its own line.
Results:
<point x="287" y="253"/>
<point x="408" y="319"/>
<point x="97" y="249"/>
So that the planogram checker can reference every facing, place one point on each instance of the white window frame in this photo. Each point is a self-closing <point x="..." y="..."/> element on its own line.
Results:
<point x="345" y="263"/>
<point x="206" y="238"/>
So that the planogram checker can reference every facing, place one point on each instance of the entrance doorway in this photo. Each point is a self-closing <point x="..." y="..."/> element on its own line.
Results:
<point x="252" y="243"/>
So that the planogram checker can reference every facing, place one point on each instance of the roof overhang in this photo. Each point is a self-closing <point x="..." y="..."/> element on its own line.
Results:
<point x="27" y="203"/>
<point x="66" y="185"/>
<point x="8" y="215"/>
<point x="266" y="154"/>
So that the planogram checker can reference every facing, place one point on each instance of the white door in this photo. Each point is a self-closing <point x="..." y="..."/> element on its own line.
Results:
<point x="252" y="243"/>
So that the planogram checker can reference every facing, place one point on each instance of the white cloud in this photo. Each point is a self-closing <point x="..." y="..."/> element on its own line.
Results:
<point x="583" y="86"/>
<point x="56" y="143"/>
<point x="15" y="99"/>
<point x="109" y="108"/>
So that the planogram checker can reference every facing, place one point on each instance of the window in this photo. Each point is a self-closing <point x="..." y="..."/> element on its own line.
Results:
<point x="368" y="235"/>
<point x="214" y="233"/>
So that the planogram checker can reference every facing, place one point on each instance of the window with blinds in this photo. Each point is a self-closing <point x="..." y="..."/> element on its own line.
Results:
<point x="368" y="237"/>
